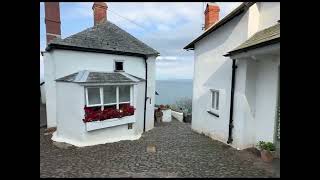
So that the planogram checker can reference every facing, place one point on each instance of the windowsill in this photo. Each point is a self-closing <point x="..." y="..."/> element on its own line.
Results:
<point x="118" y="70"/>
<point x="212" y="113"/>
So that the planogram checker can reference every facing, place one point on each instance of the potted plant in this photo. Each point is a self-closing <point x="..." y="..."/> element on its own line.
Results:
<point x="158" y="114"/>
<point x="267" y="150"/>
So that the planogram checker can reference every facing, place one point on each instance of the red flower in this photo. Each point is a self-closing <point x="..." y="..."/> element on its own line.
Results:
<point x="97" y="115"/>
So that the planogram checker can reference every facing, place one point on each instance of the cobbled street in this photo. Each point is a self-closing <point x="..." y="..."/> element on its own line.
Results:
<point x="180" y="152"/>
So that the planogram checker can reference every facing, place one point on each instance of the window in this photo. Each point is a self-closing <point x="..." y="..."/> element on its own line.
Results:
<point x="124" y="94"/>
<point x="94" y="96"/>
<point x="118" y="66"/>
<point x="214" y="102"/>
<point x="108" y="96"/>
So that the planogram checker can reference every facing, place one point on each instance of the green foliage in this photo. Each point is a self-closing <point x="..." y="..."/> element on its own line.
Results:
<point x="269" y="146"/>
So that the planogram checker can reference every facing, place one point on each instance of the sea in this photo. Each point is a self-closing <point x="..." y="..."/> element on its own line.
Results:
<point x="172" y="90"/>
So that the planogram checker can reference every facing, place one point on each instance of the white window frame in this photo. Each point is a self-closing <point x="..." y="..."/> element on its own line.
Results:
<point x="87" y="97"/>
<point x="117" y="103"/>
<point x="102" y="99"/>
<point x="215" y="107"/>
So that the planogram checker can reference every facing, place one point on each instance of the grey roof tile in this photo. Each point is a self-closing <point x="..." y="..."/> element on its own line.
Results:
<point x="263" y="36"/>
<point x="100" y="77"/>
<point x="105" y="36"/>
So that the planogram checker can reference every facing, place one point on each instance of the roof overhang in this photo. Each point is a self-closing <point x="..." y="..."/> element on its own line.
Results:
<point x="106" y="84"/>
<point x="270" y="49"/>
<point x="270" y="45"/>
<point x="75" y="48"/>
<point x="240" y="9"/>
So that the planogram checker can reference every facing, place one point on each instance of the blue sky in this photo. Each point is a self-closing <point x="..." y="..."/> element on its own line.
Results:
<point x="167" y="27"/>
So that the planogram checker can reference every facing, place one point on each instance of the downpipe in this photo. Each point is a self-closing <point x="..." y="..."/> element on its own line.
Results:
<point x="230" y="140"/>
<point x="145" y="95"/>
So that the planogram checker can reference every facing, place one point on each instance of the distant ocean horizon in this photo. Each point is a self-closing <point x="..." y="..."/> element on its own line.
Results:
<point x="171" y="91"/>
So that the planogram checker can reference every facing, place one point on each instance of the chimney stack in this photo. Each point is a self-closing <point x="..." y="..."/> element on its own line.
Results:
<point x="211" y="15"/>
<point x="52" y="20"/>
<point x="99" y="12"/>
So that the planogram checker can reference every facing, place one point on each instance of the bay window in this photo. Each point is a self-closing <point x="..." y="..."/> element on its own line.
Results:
<point x="109" y="96"/>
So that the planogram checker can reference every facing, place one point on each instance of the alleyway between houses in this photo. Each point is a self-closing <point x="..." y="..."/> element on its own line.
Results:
<point x="180" y="152"/>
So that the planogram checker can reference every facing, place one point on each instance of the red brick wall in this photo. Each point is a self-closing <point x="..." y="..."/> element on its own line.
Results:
<point x="52" y="20"/>
<point x="99" y="12"/>
<point x="211" y="15"/>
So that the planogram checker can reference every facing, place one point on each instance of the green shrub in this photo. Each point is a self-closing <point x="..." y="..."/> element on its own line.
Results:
<point x="184" y="104"/>
<point x="269" y="146"/>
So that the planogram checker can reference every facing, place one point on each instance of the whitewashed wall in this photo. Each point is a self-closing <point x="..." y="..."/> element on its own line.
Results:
<point x="213" y="71"/>
<point x="71" y="129"/>
<point x="59" y="63"/>
<point x="244" y="103"/>
<point x="50" y="86"/>
<point x="166" y="117"/>
<point x="269" y="14"/>
<point x="267" y="82"/>
<point x="43" y="94"/>
<point x="139" y="92"/>
<point x="151" y="89"/>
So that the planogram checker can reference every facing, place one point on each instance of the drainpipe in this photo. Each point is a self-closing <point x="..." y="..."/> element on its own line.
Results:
<point x="232" y="100"/>
<point x="145" y="96"/>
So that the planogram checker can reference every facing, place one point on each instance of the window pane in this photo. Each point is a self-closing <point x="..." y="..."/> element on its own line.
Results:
<point x="213" y="99"/>
<point x="217" y="97"/>
<point x="119" y="66"/>
<point x="124" y="93"/>
<point x="94" y="96"/>
<point x="109" y="94"/>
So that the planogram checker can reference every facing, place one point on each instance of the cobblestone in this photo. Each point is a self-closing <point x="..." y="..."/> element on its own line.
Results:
<point x="180" y="152"/>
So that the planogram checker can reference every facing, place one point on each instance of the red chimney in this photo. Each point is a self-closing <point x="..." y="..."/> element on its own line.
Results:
<point x="211" y="15"/>
<point x="99" y="12"/>
<point x="52" y="20"/>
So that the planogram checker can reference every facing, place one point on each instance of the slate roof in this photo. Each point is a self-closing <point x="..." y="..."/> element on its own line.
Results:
<point x="264" y="37"/>
<point x="239" y="10"/>
<point x="86" y="76"/>
<point x="105" y="37"/>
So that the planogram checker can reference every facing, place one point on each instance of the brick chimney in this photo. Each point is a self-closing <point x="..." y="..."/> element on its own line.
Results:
<point x="52" y="20"/>
<point x="211" y="15"/>
<point x="99" y="12"/>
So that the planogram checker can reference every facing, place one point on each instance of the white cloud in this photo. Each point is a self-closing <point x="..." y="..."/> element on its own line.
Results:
<point x="167" y="58"/>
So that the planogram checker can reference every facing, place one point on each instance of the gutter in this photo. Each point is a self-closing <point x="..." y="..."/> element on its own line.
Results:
<point x="232" y="101"/>
<point x="74" y="48"/>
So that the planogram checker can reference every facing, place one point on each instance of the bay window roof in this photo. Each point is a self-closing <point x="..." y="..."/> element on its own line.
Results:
<point x="86" y="76"/>
<point x="270" y="35"/>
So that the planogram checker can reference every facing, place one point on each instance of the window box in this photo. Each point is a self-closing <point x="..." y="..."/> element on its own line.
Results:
<point x="94" y="125"/>
<point x="94" y="114"/>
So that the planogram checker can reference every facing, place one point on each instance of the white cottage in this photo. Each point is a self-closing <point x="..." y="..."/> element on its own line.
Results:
<point x="100" y="82"/>
<point x="236" y="82"/>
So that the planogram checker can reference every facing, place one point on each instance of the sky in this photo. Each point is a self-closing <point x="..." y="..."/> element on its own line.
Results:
<point x="165" y="26"/>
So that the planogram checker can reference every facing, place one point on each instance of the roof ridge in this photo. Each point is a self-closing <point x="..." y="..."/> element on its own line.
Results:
<point x="106" y="37"/>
